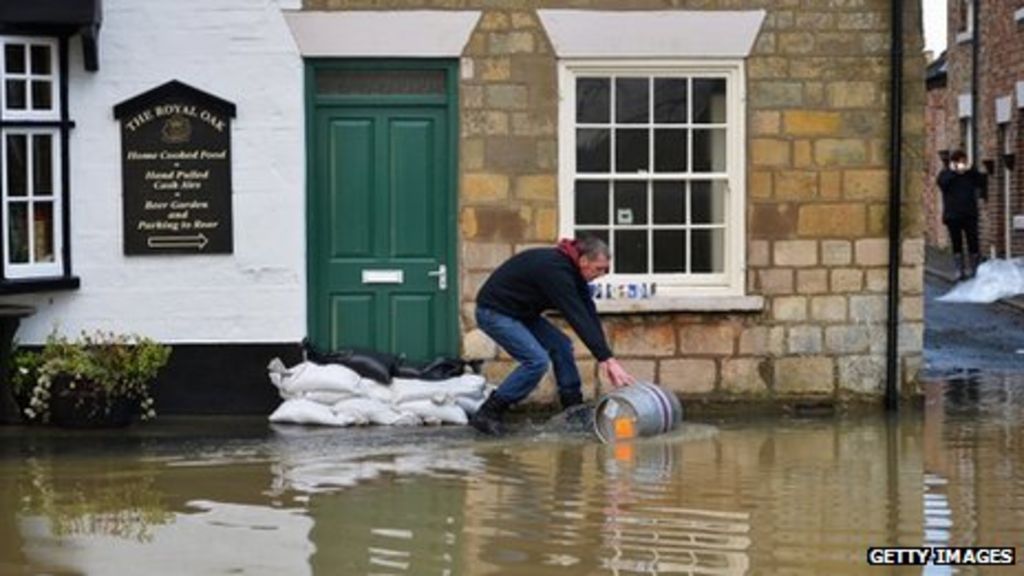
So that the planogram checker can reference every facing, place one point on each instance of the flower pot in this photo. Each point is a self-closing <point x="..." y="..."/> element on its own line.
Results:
<point x="87" y="406"/>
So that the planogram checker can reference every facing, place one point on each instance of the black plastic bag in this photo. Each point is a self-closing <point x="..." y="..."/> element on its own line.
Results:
<point x="377" y="366"/>
<point x="441" y="368"/>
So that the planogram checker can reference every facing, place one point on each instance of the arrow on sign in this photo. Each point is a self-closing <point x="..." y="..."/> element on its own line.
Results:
<point x="198" y="241"/>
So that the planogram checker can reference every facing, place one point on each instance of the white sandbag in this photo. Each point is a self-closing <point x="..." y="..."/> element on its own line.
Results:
<point x="995" y="279"/>
<point x="433" y="413"/>
<point x="373" y="389"/>
<point x="469" y="405"/>
<point x="300" y="411"/>
<point x="308" y="376"/>
<point x="325" y="397"/>
<point x="410" y="390"/>
<point x="370" y="411"/>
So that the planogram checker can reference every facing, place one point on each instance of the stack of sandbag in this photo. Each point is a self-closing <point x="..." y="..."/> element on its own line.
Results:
<point x="336" y="395"/>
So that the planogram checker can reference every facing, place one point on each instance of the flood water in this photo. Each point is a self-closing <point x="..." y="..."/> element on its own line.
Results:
<point x="735" y="495"/>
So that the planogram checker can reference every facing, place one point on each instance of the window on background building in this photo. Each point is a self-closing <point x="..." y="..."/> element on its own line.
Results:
<point x="653" y="166"/>
<point x="966" y="16"/>
<point x="966" y="130"/>
<point x="31" y="153"/>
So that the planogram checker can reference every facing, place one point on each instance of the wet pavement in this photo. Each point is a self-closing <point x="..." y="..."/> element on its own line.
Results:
<point x="734" y="495"/>
<point x="961" y="338"/>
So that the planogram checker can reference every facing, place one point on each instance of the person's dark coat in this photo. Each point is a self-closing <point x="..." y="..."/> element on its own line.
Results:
<point x="960" y="194"/>
<point x="546" y="279"/>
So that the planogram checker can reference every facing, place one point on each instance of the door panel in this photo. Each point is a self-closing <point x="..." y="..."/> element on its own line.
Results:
<point x="412" y="187"/>
<point x="381" y="203"/>
<point x="352" y="149"/>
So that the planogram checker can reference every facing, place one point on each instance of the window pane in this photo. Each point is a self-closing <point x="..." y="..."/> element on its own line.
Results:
<point x="16" y="97"/>
<point x="593" y="100"/>
<point x="592" y="202"/>
<point x="593" y="150"/>
<point x="631" y="150"/>
<point x="709" y="150"/>
<point x="18" y="232"/>
<point x="17" y="167"/>
<point x="669" y="251"/>
<point x="670" y="150"/>
<point x="41" y="60"/>
<point x="42" y="223"/>
<point x="601" y="233"/>
<point x="670" y="100"/>
<point x="669" y="203"/>
<point x="707" y="201"/>
<point x="709" y="101"/>
<point x="630" y="203"/>
<point x="42" y="95"/>
<point x="630" y="252"/>
<point x="42" y="165"/>
<point x="355" y="82"/>
<point x="14" y="59"/>
<point x="708" y="254"/>
<point x="632" y="100"/>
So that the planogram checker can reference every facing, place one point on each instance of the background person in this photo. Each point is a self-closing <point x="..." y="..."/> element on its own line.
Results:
<point x="961" y="184"/>
<point x="509" y="308"/>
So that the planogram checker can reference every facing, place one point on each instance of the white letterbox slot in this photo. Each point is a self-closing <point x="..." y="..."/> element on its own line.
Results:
<point x="383" y="277"/>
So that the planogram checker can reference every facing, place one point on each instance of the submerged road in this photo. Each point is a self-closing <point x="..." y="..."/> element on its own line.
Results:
<point x="970" y="337"/>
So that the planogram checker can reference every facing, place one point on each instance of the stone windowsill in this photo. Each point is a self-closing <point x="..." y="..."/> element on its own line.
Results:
<point x="682" y="304"/>
<point x="964" y="37"/>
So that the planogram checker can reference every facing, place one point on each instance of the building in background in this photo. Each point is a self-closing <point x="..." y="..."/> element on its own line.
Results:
<point x="983" y="113"/>
<point x="382" y="160"/>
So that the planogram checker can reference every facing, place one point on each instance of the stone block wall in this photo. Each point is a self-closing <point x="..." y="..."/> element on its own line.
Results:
<point x="936" y="141"/>
<point x="817" y="196"/>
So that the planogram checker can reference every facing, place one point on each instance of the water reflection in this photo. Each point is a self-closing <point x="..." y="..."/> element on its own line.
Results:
<point x="750" y="496"/>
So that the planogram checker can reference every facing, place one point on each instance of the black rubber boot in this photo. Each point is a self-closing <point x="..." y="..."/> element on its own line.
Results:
<point x="972" y="266"/>
<point x="961" y="273"/>
<point x="489" y="419"/>
<point x="570" y="399"/>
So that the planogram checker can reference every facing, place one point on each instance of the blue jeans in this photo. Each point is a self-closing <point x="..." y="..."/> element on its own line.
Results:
<point x="534" y="343"/>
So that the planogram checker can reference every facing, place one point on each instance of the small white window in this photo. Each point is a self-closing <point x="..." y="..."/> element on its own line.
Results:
<point x="30" y="158"/>
<point x="652" y="163"/>
<point x="30" y="79"/>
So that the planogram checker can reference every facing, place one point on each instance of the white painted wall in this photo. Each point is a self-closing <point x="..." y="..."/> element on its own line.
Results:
<point x="239" y="50"/>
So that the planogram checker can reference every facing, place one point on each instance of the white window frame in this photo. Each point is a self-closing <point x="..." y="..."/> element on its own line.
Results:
<point x="49" y="124"/>
<point x="53" y="77"/>
<point x="34" y="269"/>
<point x="732" y="281"/>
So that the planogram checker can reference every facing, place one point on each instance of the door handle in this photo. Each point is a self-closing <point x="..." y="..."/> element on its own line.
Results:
<point x="442" y="276"/>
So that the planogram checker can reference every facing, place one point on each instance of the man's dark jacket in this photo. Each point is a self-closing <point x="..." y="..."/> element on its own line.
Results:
<point x="545" y="279"/>
<point x="960" y="194"/>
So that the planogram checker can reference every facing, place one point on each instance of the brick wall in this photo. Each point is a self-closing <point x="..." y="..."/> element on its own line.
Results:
<point x="1001" y="65"/>
<point x="817" y="193"/>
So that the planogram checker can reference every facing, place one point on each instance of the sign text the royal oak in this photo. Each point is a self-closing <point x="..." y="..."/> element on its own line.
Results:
<point x="176" y="171"/>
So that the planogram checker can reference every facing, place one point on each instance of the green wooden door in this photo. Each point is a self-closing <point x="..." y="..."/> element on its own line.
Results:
<point x="382" y="232"/>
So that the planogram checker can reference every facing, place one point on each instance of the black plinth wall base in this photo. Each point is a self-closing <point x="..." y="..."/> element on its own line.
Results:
<point x="221" y="378"/>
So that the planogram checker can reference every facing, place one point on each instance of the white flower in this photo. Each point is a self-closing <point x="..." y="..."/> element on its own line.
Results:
<point x="30" y="413"/>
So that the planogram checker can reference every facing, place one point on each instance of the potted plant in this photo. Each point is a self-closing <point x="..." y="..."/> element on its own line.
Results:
<point x="99" y="379"/>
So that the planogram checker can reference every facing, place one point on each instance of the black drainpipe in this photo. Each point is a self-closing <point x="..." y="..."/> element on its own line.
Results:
<point x="892" y="361"/>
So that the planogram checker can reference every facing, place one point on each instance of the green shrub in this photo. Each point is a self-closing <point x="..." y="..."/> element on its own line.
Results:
<point x="98" y="366"/>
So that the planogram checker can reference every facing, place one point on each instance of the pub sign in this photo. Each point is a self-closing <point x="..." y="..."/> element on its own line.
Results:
<point x="176" y="171"/>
